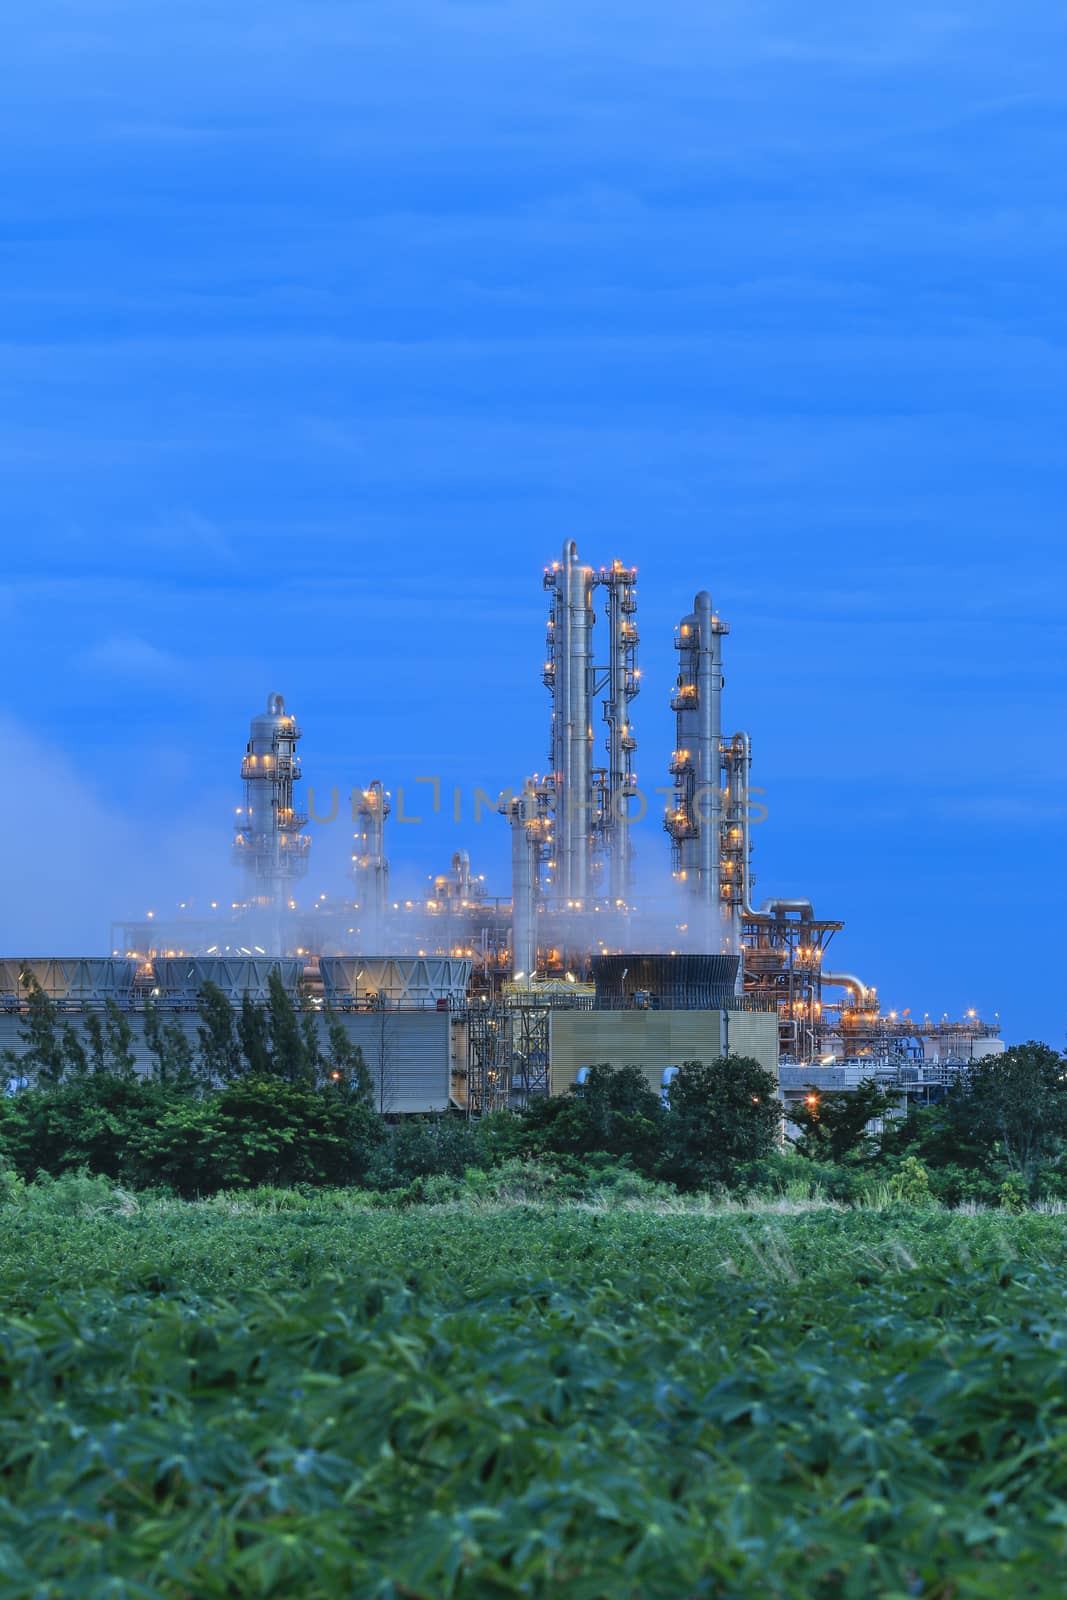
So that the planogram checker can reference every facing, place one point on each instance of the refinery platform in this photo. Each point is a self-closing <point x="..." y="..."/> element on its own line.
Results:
<point x="471" y="1000"/>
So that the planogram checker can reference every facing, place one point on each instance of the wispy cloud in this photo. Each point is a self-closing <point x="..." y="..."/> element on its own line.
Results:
<point x="126" y="656"/>
<point x="196" y="537"/>
<point x="83" y="861"/>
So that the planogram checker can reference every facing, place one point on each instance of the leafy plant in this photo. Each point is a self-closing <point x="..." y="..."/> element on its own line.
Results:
<point x="911" y="1183"/>
<point x="279" y="1394"/>
<point x="1013" y="1193"/>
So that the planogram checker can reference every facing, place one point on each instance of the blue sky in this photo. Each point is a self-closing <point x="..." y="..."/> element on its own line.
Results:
<point x="323" y="325"/>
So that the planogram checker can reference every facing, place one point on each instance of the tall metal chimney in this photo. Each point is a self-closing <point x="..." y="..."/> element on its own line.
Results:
<point x="370" y="868"/>
<point x="527" y="818"/>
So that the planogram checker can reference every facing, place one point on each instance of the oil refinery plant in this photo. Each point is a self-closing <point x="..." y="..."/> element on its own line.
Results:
<point x="468" y="1000"/>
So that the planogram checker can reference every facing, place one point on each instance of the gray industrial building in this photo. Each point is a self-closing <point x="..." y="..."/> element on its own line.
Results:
<point x="427" y="1045"/>
<point x="411" y="1030"/>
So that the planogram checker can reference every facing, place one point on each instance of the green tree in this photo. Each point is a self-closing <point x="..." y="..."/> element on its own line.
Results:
<point x="722" y="1115"/>
<point x="1014" y="1105"/>
<point x="255" y="1039"/>
<point x="502" y="1136"/>
<point x="42" y="1058"/>
<point x="911" y="1183"/>
<point x="93" y="1031"/>
<point x="286" y="1038"/>
<point x="425" y="1147"/>
<point x="12" y="1067"/>
<point x="75" y="1059"/>
<point x="153" y="1032"/>
<point x="178" y="1062"/>
<point x="220" y="1055"/>
<point x="185" y="1149"/>
<point x="614" y="1112"/>
<point x="171" y="1051"/>
<point x="92" y="1120"/>
<point x="119" y="1035"/>
<point x="345" y="1063"/>
<point x="314" y="1061"/>
<point x="258" y="1131"/>
<point x="833" y="1122"/>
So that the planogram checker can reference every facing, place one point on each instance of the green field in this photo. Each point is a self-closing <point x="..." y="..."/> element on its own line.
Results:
<point x="314" y="1398"/>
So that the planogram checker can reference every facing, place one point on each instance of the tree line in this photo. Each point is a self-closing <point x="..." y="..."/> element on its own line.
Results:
<point x="265" y="1095"/>
<point x="277" y="1039"/>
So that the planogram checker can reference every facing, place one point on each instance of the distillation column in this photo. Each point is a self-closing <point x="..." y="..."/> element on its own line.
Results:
<point x="623" y="683"/>
<point x="269" y="839"/>
<point x="736" y="844"/>
<point x="569" y="675"/>
<point x="694" y="817"/>
<point x="370" y="868"/>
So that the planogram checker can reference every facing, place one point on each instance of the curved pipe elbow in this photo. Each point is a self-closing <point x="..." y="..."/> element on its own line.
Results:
<point x="845" y="980"/>
<point x="771" y="908"/>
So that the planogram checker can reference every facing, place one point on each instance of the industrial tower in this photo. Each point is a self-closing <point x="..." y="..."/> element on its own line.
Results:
<point x="590" y="804"/>
<point x="694" y="817"/>
<point x="370" y="868"/>
<point x="269" y="840"/>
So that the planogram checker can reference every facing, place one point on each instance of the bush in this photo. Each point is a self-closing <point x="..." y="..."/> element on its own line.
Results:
<point x="792" y="1176"/>
<point x="566" y="1179"/>
<point x="523" y="1182"/>
<point x="615" y="1112"/>
<point x="1051" y="1181"/>
<point x="722" y="1116"/>
<point x="90" y="1121"/>
<point x="76" y="1194"/>
<point x="911" y="1183"/>
<point x="425" y="1147"/>
<point x="12" y="1185"/>
<point x="501" y="1135"/>
<point x="954" y="1185"/>
<point x="1013" y="1194"/>
<point x="259" y="1131"/>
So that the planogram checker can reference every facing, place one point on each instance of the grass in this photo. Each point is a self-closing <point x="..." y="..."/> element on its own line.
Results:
<point x="292" y="1397"/>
